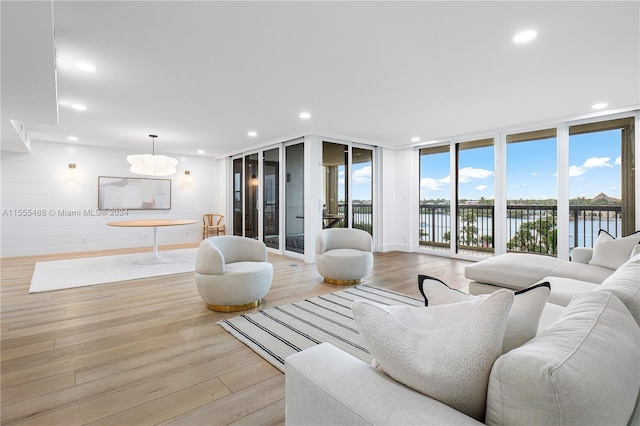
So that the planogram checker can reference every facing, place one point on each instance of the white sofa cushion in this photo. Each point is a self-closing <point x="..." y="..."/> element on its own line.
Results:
<point x="625" y="284"/>
<point x="563" y="289"/>
<point x="521" y="270"/>
<point x="524" y="316"/>
<point x="579" y="371"/>
<point x="445" y="351"/>
<point x="610" y="252"/>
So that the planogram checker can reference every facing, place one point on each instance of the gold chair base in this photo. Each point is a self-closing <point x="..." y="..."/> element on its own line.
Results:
<point x="233" y="308"/>
<point x="343" y="282"/>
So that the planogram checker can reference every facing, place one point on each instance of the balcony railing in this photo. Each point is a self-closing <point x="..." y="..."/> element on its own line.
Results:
<point x="530" y="228"/>
<point x="362" y="216"/>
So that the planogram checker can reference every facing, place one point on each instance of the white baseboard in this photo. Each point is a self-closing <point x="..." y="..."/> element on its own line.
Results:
<point x="395" y="247"/>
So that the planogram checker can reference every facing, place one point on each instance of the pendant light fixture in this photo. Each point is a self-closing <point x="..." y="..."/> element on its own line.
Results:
<point x="152" y="165"/>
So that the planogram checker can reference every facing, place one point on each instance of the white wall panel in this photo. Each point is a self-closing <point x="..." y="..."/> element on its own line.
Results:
<point x="38" y="181"/>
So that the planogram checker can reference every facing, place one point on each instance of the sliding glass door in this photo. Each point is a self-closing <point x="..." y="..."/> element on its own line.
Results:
<point x="362" y="189"/>
<point x="294" y="198"/>
<point x="271" y="198"/>
<point x="251" y="185"/>
<point x="335" y="209"/>
<point x="238" y="198"/>
<point x="347" y="186"/>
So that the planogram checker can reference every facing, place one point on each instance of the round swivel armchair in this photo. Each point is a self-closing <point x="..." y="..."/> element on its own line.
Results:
<point x="344" y="255"/>
<point x="232" y="273"/>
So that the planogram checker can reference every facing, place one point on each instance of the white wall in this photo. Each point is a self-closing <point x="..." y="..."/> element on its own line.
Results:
<point x="37" y="183"/>
<point x="396" y="198"/>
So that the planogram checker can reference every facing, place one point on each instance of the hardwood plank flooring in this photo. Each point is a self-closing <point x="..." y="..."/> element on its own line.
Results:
<point x="148" y="351"/>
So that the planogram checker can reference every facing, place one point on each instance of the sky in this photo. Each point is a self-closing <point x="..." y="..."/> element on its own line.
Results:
<point x="360" y="181"/>
<point x="594" y="160"/>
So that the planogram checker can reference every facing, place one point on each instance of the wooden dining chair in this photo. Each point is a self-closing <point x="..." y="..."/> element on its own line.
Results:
<point x="212" y="225"/>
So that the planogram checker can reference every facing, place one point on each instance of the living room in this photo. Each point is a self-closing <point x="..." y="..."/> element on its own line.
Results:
<point x="232" y="80"/>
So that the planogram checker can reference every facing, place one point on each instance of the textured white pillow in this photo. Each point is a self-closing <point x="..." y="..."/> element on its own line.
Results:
<point x="610" y="252"/>
<point x="445" y="351"/>
<point x="524" y="317"/>
<point x="636" y="251"/>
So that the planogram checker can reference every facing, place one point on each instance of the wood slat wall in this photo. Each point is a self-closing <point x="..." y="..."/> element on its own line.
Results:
<point x="149" y="351"/>
<point x="37" y="200"/>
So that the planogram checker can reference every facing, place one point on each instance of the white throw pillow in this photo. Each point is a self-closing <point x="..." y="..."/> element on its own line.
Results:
<point x="445" y="351"/>
<point x="524" y="317"/>
<point x="636" y="251"/>
<point x="610" y="252"/>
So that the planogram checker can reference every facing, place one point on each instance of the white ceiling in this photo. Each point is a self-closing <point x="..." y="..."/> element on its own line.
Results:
<point x="202" y="74"/>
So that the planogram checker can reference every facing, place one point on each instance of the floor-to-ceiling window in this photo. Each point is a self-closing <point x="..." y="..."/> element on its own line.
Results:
<point x="601" y="185"/>
<point x="532" y="204"/>
<point x="294" y="197"/>
<point x="475" y="197"/>
<point x="434" y="217"/>
<point x="596" y="159"/>
<point x="271" y="197"/>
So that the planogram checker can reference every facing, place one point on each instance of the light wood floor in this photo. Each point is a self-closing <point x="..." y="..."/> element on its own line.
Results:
<point x="149" y="351"/>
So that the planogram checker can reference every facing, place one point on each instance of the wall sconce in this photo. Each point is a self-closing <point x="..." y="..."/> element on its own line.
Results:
<point x="71" y="172"/>
<point x="254" y="180"/>
<point x="187" y="177"/>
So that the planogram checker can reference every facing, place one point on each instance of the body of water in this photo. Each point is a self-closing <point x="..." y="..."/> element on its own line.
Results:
<point x="587" y="229"/>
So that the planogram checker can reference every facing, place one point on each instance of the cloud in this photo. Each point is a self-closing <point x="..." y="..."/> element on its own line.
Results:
<point x="362" y="175"/>
<point x="534" y="174"/>
<point x="432" y="184"/>
<point x="594" y="162"/>
<point x="467" y="174"/>
<point x="481" y="187"/>
<point x="576" y="171"/>
<point x="618" y="161"/>
<point x="590" y="163"/>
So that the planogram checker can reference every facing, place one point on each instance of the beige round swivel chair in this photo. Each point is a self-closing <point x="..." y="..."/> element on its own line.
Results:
<point x="344" y="255"/>
<point x="232" y="273"/>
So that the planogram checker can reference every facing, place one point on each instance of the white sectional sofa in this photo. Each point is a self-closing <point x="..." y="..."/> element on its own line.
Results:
<point x="582" y="368"/>
<point x="521" y="270"/>
<point x="588" y="268"/>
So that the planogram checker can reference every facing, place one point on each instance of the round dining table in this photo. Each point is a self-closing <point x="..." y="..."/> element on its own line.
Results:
<point x="155" y="224"/>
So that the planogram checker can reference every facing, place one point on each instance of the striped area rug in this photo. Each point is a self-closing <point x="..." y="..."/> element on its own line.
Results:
<point x="275" y="333"/>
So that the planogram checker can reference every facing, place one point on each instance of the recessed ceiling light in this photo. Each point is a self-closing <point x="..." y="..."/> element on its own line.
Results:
<point x="525" y="36"/>
<point x="200" y="151"/>
<point x="252" y="134"/>
<point x="87" y="67"/>
<point x="72" y="138"/>
<point x="600" y="105"/>
<point x="79" y="107"/>
<point x="416" y="139"/>
<point x="305" y="115"/>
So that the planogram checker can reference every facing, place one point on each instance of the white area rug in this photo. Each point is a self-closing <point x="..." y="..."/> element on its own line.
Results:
<point x="71" y="273"/>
